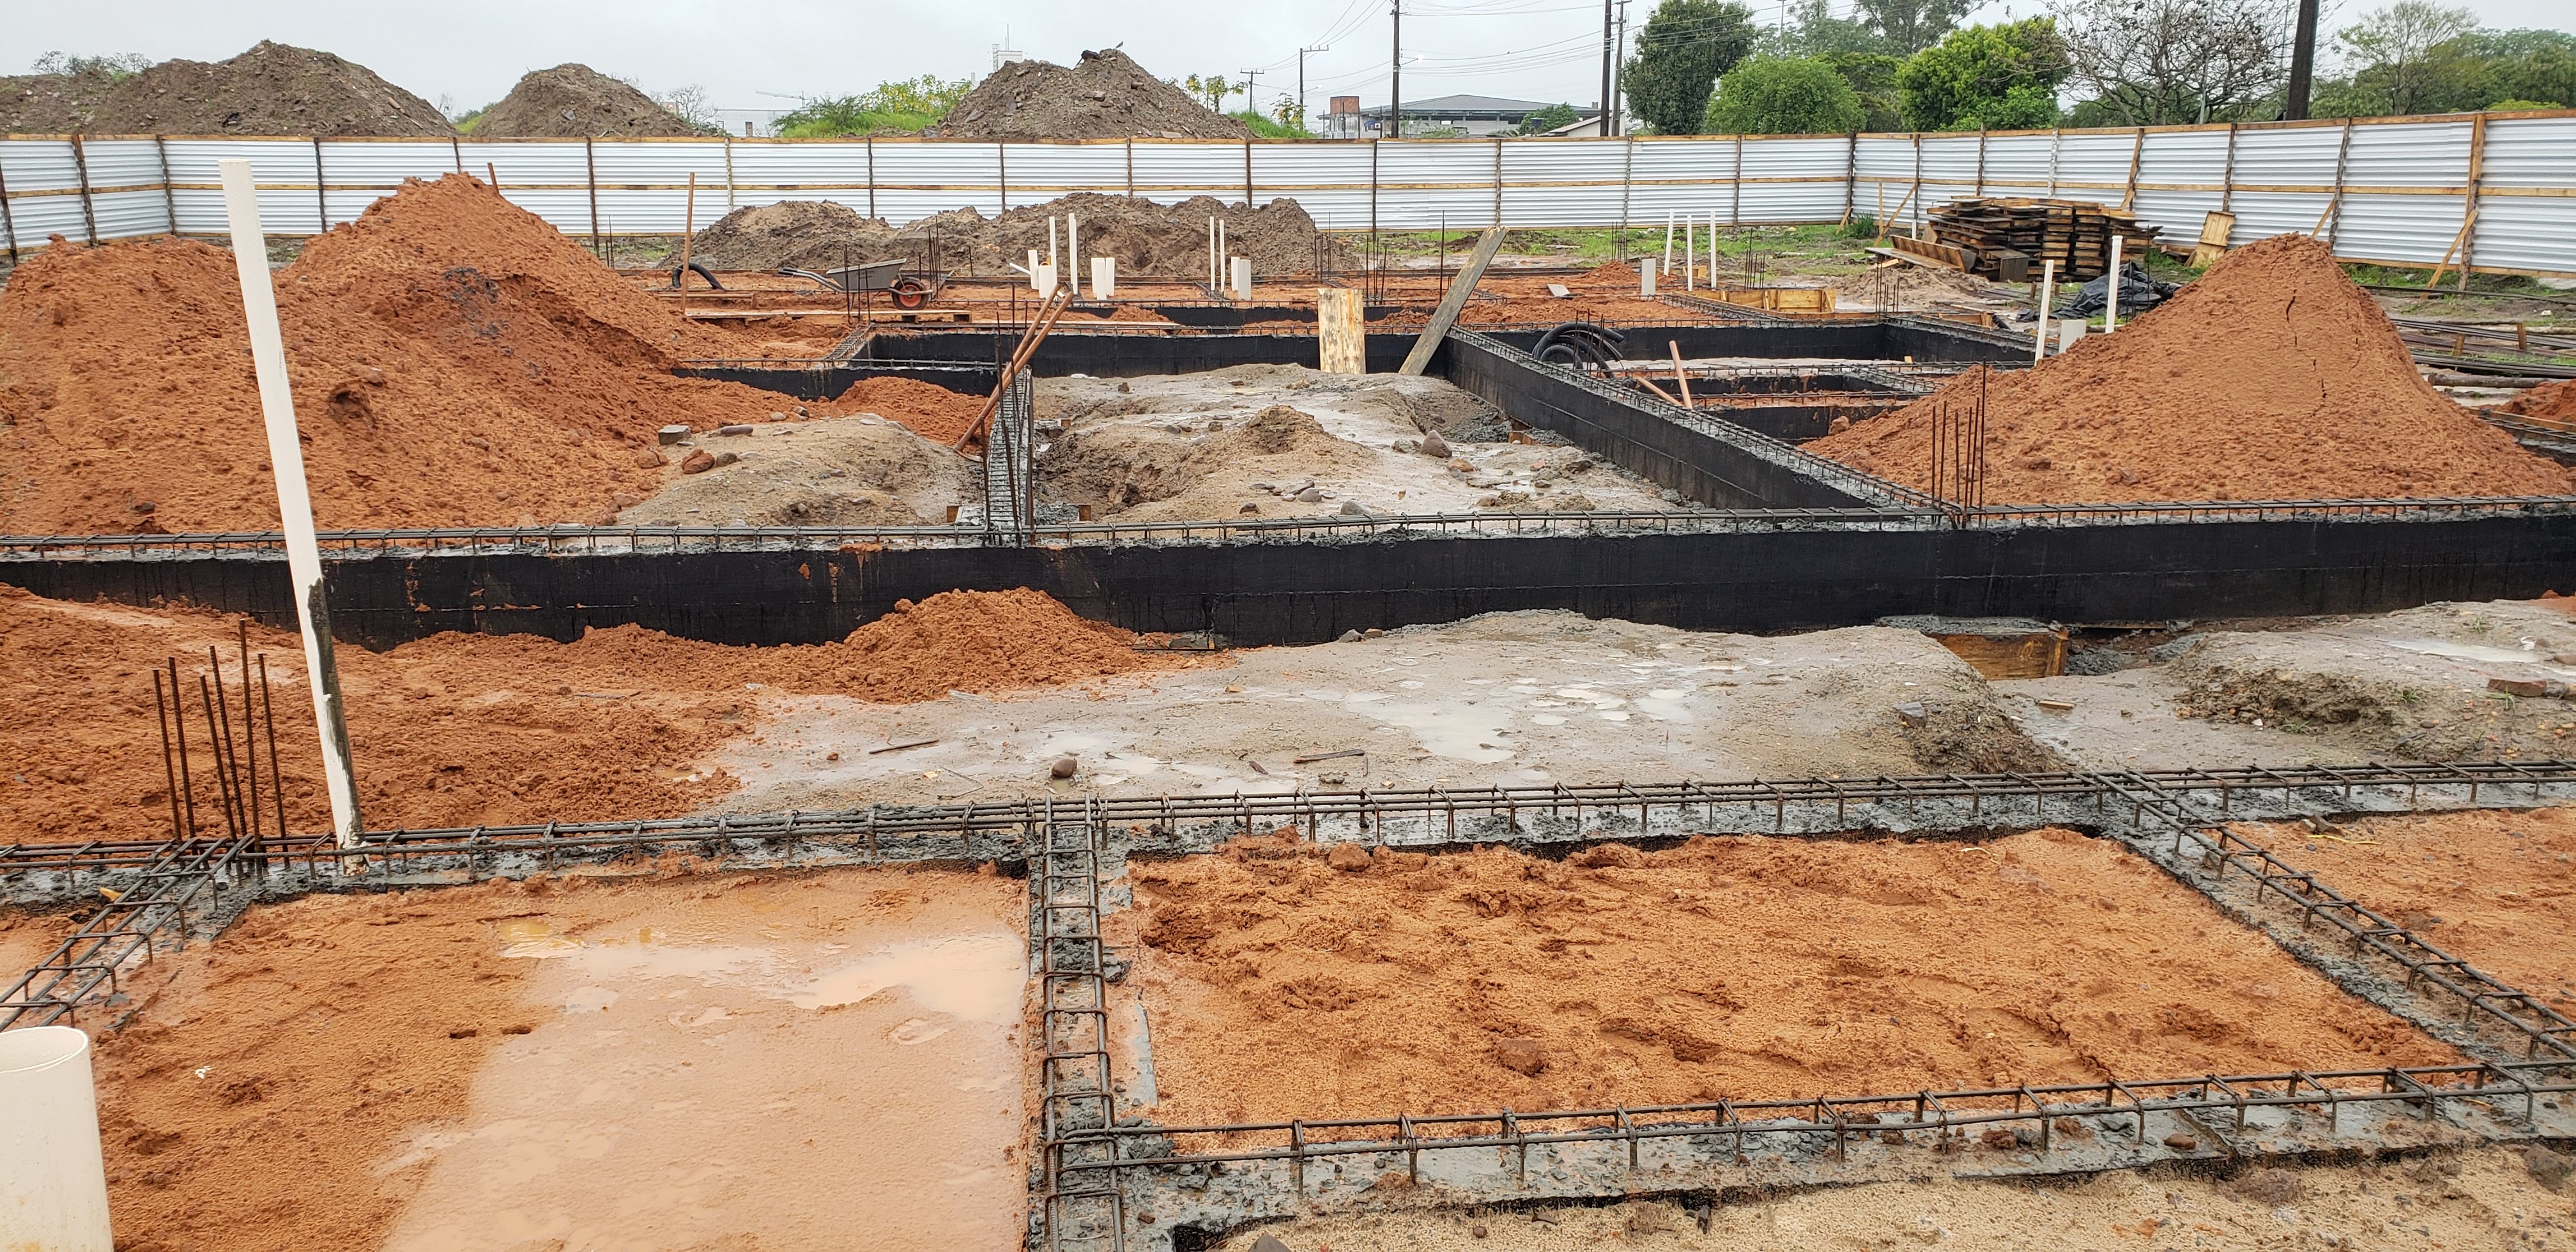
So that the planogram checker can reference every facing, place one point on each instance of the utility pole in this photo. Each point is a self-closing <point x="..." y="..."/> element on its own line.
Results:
<point x="2303" y="60"/>
<point x="1251" y="79"/>
<point x="1395" y="80"/>
<point x="1619" y="82"/>
<point x="1301" y="82"/>
<point x="1608" y="53"/>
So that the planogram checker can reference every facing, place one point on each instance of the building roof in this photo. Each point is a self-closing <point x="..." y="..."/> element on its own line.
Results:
<point x="1478" y="108"/>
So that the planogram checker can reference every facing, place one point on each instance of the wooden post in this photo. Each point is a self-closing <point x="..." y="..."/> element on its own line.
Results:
<point x="1248" y="205"/>
<point x="728" y="153"/>
<point x="2137" y="150"/>
<point x="1454" y="302"/>
<point x="872" y="186"/>
<point x="80" y="163"/>
<point x="2469" y="202"/>
<point x="1627" y="184"/>
<point x="1981" y="160"/>
<point x="169" y="194"/>
<point x="456" y="152"/>
<point x="2334" y="204"/>
<point x="1131" y="168"/>
<point x="590" y="163"/>
<point x="1340" y="325"/>
<point x="1002" y="173"/>
<point x="1851" y="176"/>
<point x="2056" y="144"/>
<point x="1734" y="207"/>
<point x="2227" y="177"/>
<point x="8" y="221"/>
<point x="321" y="188"/>
<point x="688" y="235"/>
<point x="1680" y="379"/>
<point x="1917" y="189"/>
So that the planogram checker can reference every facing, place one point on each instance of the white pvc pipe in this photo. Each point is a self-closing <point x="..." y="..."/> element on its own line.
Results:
<point x="1073" y="252"/>
<point x="2047" y="294"/>
<point x="1668" y="241"/>
<point x="1212" y="278"/>
<point x="53" y="1178"/>
<point x="1036" y="283"/>
<point x="2111" y="308"/>
<point x="1690" y="263"/>
<point x="1051" y="242"/>
<point x="294" y="499"/>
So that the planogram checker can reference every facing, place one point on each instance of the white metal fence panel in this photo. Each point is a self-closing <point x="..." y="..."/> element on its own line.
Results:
<point x="2404" y="185"/>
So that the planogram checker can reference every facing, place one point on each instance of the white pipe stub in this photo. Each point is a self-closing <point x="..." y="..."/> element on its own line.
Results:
<point x="53" y="1178"/>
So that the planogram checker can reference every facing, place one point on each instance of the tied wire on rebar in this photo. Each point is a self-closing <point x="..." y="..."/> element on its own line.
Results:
<point x="1958" y="484"/>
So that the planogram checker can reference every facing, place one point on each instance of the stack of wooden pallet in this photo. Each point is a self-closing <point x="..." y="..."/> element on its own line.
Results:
<point x="2008" y="239"/>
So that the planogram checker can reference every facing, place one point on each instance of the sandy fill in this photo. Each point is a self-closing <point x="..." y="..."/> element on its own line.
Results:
<point x="2496" y="888"/>
<point x="1278" y="986"/>
<point x="630" y="1064"/>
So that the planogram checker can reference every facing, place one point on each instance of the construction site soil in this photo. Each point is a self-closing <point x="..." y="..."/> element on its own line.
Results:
<point x="2272" y="377"/>
<point x="573" y="101"/>
<point x="1105" y="95"/>
<point x="1282" y="982"/>
<point x="456" y="362"/>
<point x="596" y="1062"/>
<point x="2550" y="400"/>
<point x="1166" y="240"/>
<point x="273" y="89"/>
<point x="2496" y="888"/>
<point x="2492" y="1199"/>
<point x="474" y="729"/>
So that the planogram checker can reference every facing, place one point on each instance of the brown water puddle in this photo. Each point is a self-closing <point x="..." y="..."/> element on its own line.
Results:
<point x="779" y="1063"/>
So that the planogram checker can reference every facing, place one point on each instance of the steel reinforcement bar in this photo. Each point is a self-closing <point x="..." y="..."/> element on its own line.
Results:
<point x="2483" y="997"/>
<point x="125" y="926"/>
<point x="1944" y="1116"/>
<point x="986" y="831"/>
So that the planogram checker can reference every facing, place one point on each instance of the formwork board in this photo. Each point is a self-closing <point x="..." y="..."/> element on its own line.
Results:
<point x="1301" y="591"/>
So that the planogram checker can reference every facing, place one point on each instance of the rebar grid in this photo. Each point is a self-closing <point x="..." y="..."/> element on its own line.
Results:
<point x="2482" y="996"/>
<point x="1942" y="1115"/>
<point x="126" y="926"/>
<point x="985" y="831"/>
<point x="1078" y="1088"/>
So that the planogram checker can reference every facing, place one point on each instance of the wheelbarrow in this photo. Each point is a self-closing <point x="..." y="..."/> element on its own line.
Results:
<point x="908" y="289"/>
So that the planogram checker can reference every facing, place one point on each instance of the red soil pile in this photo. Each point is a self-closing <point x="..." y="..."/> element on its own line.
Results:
<point x="2554" y="401"/>
<point x="926" y="409"/>
<point x="2272" y="377"/>
<point x="1281" y="983"/>
<point x="460" y="730"/>
<point x="2494" y="888"/>
<point x="456" y="362"/>
<point x="252" y="1102"/>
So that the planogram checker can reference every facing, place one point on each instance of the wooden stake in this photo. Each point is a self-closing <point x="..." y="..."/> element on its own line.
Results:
<point x="1680" y="379"/>
<point x="688" y="233"/>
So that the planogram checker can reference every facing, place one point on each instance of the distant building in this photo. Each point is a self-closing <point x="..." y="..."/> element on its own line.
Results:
<point x="1003" y="56"/>
<point x="1342" y="120"/>
<point x="750" y="123"/>
<point x="1475" y="115"/>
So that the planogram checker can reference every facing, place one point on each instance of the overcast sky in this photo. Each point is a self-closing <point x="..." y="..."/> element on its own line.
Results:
<point x="467" y="53"/>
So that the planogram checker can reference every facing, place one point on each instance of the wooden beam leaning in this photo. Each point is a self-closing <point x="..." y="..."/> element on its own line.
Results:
<point x="1453" y="303"/>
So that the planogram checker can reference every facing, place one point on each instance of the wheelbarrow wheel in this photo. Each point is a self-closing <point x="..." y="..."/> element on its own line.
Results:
<point x="911" y="293"/>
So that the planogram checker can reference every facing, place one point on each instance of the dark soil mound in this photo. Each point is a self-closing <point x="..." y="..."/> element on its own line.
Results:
<point x="575" y="102"/>
<point x="1147" y="238"/>
<point x="1104" y="96"/>
<point x="273" y="89"/>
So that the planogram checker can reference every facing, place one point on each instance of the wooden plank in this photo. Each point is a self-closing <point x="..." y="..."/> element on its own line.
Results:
<point x="2215" y="230"/>
<point x="1339" y="325"/>
<point x="1451" y="304"/>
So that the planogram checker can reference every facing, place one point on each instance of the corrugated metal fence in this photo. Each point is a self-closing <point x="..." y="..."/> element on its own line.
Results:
<point x="2496" y="189"/>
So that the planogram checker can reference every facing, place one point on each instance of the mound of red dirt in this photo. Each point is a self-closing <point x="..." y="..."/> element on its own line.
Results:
<point x="926" y="409"/>
<point x="2556" y="401"/>
<point x="456" y="361"/>
<point x="2272" y="377"/>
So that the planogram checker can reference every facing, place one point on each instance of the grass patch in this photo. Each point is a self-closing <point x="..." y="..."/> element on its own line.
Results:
<point x="1269" y="128"/>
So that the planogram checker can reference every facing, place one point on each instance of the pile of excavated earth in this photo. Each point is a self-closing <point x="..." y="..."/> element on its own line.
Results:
<point x="273" y="89"/>
<point x="456" y="362"/>
<point x="468" y="729"/>
<point x="573" y="101"/>
<point x="2272" y="377"/>
<point x="1164" y="240"/>
<point x="1105" y="95"/>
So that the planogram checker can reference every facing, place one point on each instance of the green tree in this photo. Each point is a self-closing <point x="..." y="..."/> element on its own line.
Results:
<point x="1905" y="27"/>
<point x="2478" y="69"/>
<point x="1544" y="120"/>
<point x="2403" y="48"/>
<point x="1872" y="76"/>
<point x="1784" y="96"/>
<point x="1992" y="77"/>
<point x="1214" y="88"/>
<point x="2160" y="62"/>
<point x="1686" y="45"/>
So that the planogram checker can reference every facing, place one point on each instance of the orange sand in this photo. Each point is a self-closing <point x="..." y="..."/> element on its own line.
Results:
<point x="2272" y="377"/>
<point x="1278" y="986"/>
